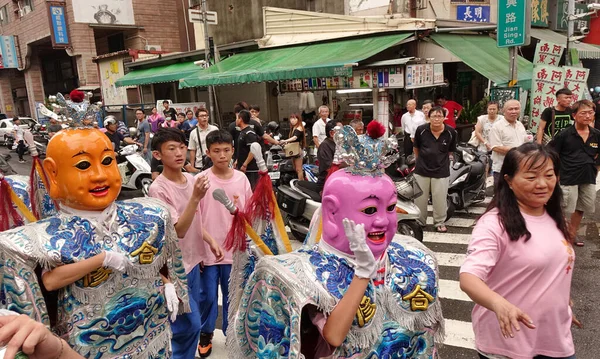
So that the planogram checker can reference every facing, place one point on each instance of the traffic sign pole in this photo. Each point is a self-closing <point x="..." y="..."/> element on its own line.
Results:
<point x="514" y="27"/>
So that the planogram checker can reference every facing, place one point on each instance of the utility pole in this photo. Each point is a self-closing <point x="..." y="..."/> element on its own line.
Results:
<point x="211" y="100"/>
<point x="570" y="29"/>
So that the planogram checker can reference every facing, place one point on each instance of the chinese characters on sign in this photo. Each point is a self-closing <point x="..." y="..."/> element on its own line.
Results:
<point x="60" y="33"/>
<point x="513" y="23"/>
<point x="539" y="13"/>
<point x="562" y="21"/>
<point x="9" y="52"/>
<point x="473" y="13"/>
<point x="546" y="81"/>
<point x="576" y="80"/>
<point x="547" y="53"/>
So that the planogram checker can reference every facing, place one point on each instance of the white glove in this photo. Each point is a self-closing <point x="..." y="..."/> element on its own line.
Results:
<point x="172" y="300"/>
<point x="365" y="267"/>
<point x="116" y="261"/>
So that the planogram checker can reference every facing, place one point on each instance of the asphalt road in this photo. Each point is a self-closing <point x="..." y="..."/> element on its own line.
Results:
<point x="450" y="249"/>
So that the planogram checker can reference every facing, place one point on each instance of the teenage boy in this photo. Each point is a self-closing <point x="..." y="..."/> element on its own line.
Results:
<point x="216" y="220"/>
<point x="557" y="118"/>
<point x="182" y="193"/>
<point x="245" y="161"/>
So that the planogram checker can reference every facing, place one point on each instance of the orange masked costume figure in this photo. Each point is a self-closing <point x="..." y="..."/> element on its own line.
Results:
<point x="102" y="256"/>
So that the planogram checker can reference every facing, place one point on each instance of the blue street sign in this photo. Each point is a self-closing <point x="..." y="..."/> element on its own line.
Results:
<point x="59" y="25"/>
<point x="9" y="52"/>
<point x="473" y="13"/>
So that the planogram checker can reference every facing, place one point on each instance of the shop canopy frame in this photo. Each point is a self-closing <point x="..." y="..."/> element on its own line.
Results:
<point x="158" y="74"/>
<point x="319" y="60"/>
<point x="481" y="53"/>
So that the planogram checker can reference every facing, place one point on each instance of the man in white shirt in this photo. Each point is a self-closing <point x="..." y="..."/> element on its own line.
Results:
<point x="506" y="133"/>
<point x="318" y="129"/>
<point x="410" y="121"/>
<point x="19" y="139"/>
<point x="197" y="143"/>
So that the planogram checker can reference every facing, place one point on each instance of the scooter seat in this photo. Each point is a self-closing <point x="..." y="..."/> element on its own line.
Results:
<point x="310" y="189"/>
<point x="477" y="168"/>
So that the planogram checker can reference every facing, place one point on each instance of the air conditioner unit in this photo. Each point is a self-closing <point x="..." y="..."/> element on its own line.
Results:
<point x="153" y="48"/>
<point x="194" y="3"/>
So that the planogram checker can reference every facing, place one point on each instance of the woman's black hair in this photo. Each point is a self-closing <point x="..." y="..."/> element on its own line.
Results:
<point x="165" y="135"/>
<point x="529" y="156"/>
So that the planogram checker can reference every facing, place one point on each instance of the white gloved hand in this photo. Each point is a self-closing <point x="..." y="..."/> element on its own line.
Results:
<point x="172" y="300"/>
<point x="117" y="261"/>
<point x="365" y="267"/>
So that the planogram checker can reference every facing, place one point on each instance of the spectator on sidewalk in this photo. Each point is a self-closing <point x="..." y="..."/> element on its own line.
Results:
<point x="578" y="149"/>
<point x="18" y="135"/>
<point x="318" y="130"/>
<point x="519" y="257"/>
<point x="197" y="145"/>
<point x="245" y="161"/>
<point x="54" y="127"/>
<point x="425" y="108"/>
<point x="411" y="120"/>
<point x="434" y="143"/>
<point x="169" y="113"/>
<point x="506" y="134"/>
<point x="453" y="110"/>
<point x="144" y="134"/>
<point x="189" y="116"/>
<point x="555" y="118"/>
<point x="156" y="120"/>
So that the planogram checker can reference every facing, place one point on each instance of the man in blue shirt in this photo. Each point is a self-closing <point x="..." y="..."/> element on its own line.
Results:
<point x="193" y="121"/>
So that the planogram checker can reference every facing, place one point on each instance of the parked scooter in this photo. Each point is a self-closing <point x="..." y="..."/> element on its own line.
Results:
<point x="135" y="171"/>
<point x="467" y="178"/>
<point x="299" y="202"/>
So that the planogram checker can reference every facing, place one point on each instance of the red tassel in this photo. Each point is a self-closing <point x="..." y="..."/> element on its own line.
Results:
<point x="375" y="129"/>
<point x="9" y="217"/>
<point x="334" y="167"/>
<point x="77" y="96"/>
<point x="236" y="237"/>
<point x="261" y="205"/>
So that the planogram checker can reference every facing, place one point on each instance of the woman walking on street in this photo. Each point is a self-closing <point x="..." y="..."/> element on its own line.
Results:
<point x="434" y="143"/>
<point x="484" y="126"/>
<point x="297" y="135"/>
<point x="155" y="120"/>
<point x="520" y="263"/>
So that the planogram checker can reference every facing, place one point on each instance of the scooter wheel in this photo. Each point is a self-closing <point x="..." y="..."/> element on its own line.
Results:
<point x="411" y="228"/>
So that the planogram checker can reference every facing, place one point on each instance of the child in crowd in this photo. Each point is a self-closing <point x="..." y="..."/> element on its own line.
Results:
<point x="182" y="193"/>
<point x="216" y="221"/>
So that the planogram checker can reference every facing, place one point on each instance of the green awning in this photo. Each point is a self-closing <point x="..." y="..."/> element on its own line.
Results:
<point x="298" y="62"/>
<point x="159" y="74"/>
<point x="481" y="53"/>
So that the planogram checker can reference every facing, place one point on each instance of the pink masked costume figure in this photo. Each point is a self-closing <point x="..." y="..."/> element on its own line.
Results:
<point x="290" y="301"/>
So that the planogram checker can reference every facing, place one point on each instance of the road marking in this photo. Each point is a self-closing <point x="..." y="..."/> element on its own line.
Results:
<point x="450" y="259"/>
<point x="459" y="334"/>
<point x="446" y="238"/>
<point x="456" y="222"/>
<point x="450" y="289"/>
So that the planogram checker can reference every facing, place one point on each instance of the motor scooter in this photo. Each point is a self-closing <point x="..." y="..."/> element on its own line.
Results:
<point x="467" y="178"/>
<point x="135" y="171"/>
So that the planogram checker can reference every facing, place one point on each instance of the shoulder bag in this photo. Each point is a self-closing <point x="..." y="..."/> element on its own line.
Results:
<point x="206" y="161"/>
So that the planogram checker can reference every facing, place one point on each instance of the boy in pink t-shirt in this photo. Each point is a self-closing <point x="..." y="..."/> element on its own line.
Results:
<point x="182" y="194"/>
<point x="217" y="220"/>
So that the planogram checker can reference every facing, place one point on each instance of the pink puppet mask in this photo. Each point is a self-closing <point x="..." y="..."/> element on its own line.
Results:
<point x="364" y="199"/>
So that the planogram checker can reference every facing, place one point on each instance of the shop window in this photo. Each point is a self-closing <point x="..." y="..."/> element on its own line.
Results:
<point x="116" y="43"/>
<point x="4" y="19"/>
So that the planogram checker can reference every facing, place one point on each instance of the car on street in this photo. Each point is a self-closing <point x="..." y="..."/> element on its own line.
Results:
<point x="6" y="127"/>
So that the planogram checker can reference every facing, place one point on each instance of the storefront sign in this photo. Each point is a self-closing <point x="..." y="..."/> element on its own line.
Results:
<point x="513" y="23"/>
<point x="561" y="20"/>
<point x="473" y="13"/>
<point x="362" y="79"/>
<point x="547" y="53"/>
<point x="438" y="73"/>
<point x="9" y="52"/>
<point x="420" y="75"/>
<point x="539" y="13"/>
<point x="546" y="81"/>
<point x="576" y="81"/>
<point x="60" y="33"/>
<point x="396" y="77"/>
<point x="107" y="12"/>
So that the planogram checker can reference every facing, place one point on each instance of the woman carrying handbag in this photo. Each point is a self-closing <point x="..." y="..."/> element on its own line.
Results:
<point x="294" y="146"/>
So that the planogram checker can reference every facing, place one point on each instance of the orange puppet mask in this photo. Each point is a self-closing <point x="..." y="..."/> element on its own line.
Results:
<point x="82" y="169"/>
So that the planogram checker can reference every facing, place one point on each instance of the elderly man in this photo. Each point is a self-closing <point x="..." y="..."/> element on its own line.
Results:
<point x="577" y="147"/>
<point x="506" y="133"/>
<point x="410" y="121"/>
<point x="358" y="126"/>
<point x="54" y="127"/>
<point x="318" y="130"/>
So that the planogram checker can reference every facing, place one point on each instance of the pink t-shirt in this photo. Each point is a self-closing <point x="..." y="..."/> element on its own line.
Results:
<point x="177" y="196"/>
<point x="216" y="219"/>
<point x="535" y="276"/>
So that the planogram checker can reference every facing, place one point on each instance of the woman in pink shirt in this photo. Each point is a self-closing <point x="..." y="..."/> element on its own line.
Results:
<point x="520" y="263"/>
<point x="155" y="120"/>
